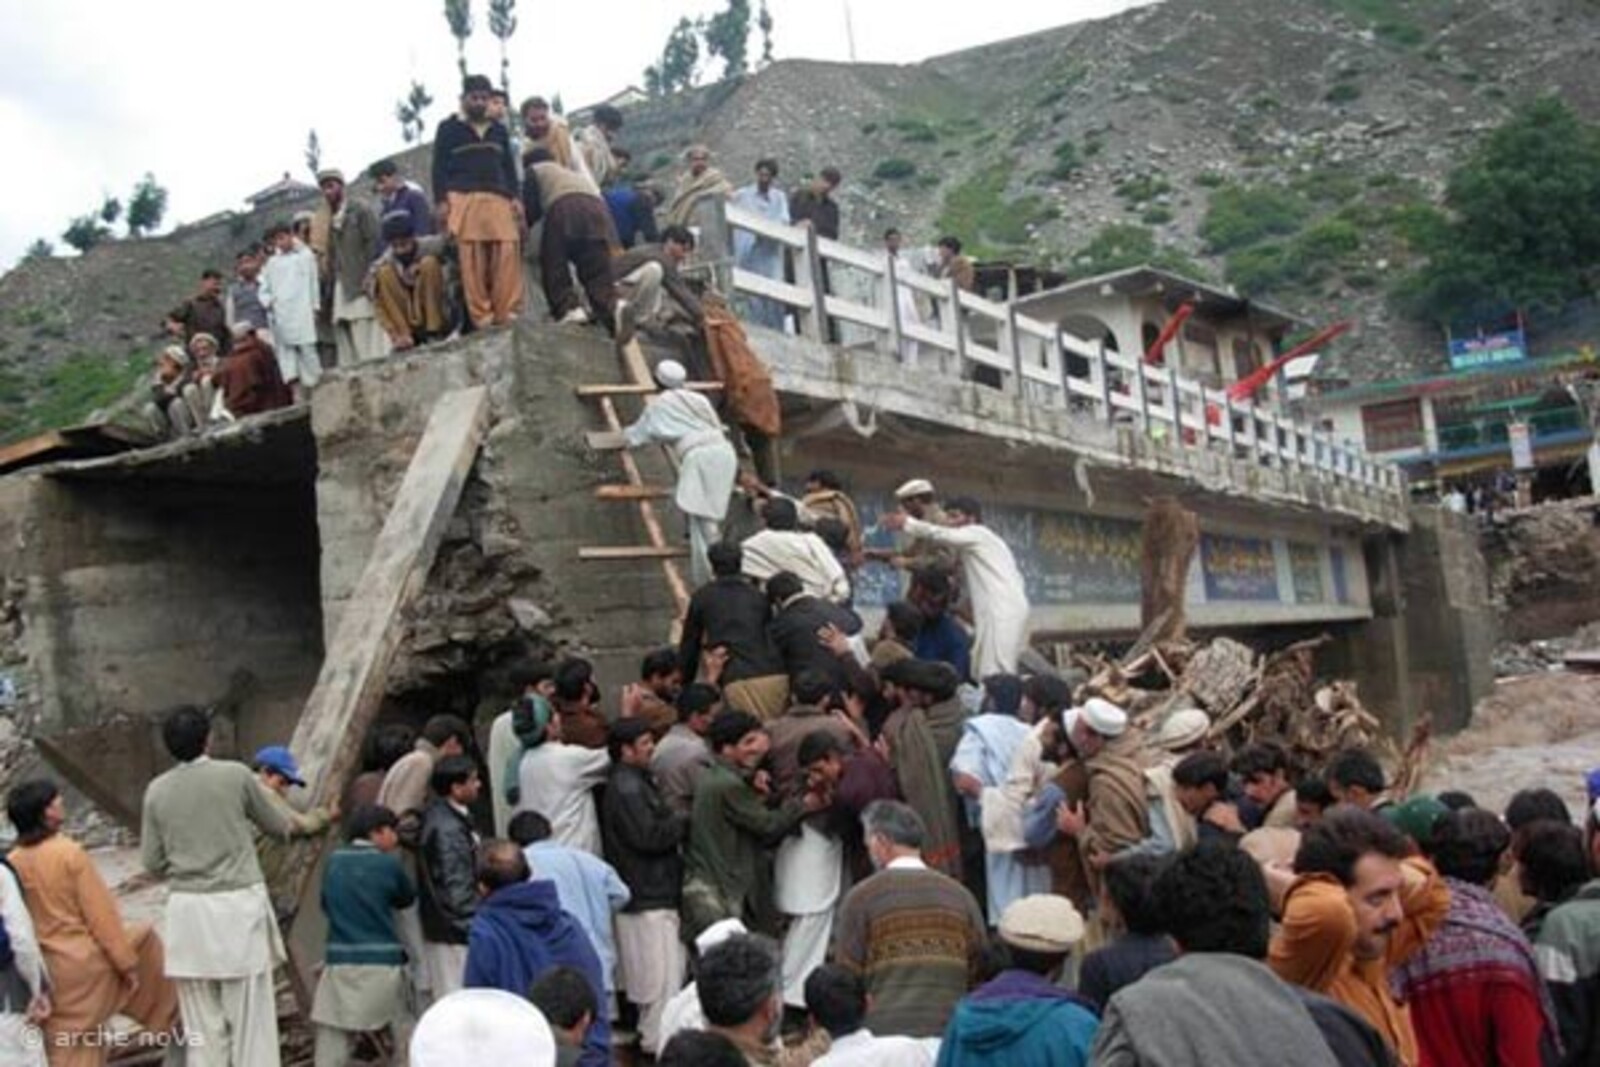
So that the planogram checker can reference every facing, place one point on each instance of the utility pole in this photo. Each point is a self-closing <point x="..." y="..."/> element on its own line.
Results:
<point x="849" y="31"/>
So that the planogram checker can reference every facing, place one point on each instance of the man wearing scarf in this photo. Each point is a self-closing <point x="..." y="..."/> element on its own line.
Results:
<point x="920" y="763"/>
<point x="1474" y="989"/>
<point x="699" y="184"/>
<point x="352" y="242"/>
<point x="407" y="284"/>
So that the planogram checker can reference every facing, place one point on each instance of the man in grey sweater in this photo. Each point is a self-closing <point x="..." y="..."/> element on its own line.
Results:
<point x="221" y="937"/>
<point x="1218" y="1002"/>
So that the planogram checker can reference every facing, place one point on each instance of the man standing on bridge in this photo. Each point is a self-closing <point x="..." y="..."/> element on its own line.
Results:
<point x="994" y="582"/>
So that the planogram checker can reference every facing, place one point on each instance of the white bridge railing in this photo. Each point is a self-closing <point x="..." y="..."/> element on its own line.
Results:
<point x="969" y="336"/>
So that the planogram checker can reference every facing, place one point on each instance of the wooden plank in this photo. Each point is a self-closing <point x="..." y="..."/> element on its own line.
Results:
<point x="637" y="368"/>
<point x="631" y="389"/>
<point x="615" y="552"/>
<point x="632" y="492"/>
<point x="350" y="686"/>
<point x="605" y="440"/>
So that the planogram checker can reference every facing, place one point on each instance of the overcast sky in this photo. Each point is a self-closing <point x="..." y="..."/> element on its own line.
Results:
<point x="216" y="99"/>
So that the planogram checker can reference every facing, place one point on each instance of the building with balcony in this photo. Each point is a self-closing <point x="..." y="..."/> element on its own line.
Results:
<point x="1472" y="426"/>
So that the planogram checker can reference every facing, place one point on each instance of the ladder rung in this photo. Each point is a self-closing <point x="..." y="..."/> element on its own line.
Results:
<point x="631" y="492"/>
<point x="606" y="440"/>
<point x="609" y="552"/>
<point x="631" y="389"/>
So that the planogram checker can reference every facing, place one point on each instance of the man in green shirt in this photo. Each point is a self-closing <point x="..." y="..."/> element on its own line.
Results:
<point x="734" y="825"/>
<point x="220" y="934"/>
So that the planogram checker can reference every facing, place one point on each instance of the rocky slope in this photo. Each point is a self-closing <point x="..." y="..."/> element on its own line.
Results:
<point x="1289" y="146"/>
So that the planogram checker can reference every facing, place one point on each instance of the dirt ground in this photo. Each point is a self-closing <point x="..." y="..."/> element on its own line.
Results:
<point x="1536" y="730"/>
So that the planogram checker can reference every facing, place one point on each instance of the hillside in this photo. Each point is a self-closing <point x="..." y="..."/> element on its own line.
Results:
<point x="1313" y="134"/>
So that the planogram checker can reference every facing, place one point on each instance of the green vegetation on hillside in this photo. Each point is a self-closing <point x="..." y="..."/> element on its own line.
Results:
<point x="1525" y="225"/>
<point x="1393" y="21"/>
<point x="988" y="223"/>
<point x="1242" y="215"/>
<point x="1121" y="245"/>
<point x="66" y="393"/>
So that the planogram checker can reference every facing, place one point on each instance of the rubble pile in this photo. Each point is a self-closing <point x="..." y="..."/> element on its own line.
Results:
<point x="1276" y="696"/>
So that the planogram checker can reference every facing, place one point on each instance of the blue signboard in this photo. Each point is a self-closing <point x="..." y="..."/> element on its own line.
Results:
<point x="1486" y="350"/>
<point x="1239" y="568"/>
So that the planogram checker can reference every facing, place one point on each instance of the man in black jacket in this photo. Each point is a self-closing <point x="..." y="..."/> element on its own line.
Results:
<point x="798" y="625"/>
<point x="643" y="836"/>
<point x="475" y="189"/>
<point x="447" y="863"/>
<point x="731" y="613"/>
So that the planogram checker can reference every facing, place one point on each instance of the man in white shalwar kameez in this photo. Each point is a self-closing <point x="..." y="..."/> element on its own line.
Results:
<point x="993" y="581"/>
<point x="905" y="297"/>
<point x="686" y="422"/>
<point x="982" y="768"/>
<point x="24" y="993"/>
<point x="219" y="930"/>
<point x="762" y="255"/>
<point x="808" y="876"/>
<point x="291" y="294"/>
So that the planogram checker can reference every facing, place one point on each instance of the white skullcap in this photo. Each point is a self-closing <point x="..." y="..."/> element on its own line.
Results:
<point x="474" y="1027"/>
<point x="1183" y="728"/>
<point x="1104" y="717"/>
<point x="717" y="933"/>
<point x="915" y="487"/>
<point x="670" y="373"/>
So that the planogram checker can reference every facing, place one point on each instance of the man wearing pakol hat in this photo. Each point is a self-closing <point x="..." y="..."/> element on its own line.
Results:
<point x="685" y="422"/>
<point x="352" y="242"/>
<point x="1023" y="1018"/>
<point x="406" y="285"/>
<point x="475" y="193"/>
<point x="174" y="409"/>
<point x="993" y="580"/>
<point x="278" y="771"/>
<point x="918" y="499"/>
<point x="1172" y="828"/>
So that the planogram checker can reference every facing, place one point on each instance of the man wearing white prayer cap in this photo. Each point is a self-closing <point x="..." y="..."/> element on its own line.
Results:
<point x="686" y="423"/>
<point x="1116" y="815"/>
<point x="480" y="1028"/>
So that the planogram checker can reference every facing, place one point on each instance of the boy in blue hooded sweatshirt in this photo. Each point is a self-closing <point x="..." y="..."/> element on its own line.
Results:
<point x="520" y="931"/>
<point x="1022" y="1018"/>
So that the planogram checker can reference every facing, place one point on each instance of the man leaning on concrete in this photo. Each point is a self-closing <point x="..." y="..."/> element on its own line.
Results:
<point x="220" y="934"/>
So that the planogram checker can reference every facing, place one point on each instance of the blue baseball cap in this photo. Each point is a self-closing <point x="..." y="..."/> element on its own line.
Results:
<point x="1591" y="783"/>
<point x="278" y="758"/>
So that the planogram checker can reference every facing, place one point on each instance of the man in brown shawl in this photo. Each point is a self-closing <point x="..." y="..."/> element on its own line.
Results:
<point x="921" y="734"/>
<point x="1116" y="815"/>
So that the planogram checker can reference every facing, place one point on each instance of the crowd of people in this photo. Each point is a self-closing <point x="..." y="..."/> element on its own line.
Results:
<point x="516" y="207"/>
<point x="790" y="844"/>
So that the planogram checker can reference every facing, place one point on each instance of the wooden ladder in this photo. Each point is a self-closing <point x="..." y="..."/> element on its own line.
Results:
<point x="635" y="490"/>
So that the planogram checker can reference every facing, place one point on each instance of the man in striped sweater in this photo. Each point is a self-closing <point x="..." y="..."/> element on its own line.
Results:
<point x="912" y="933"/>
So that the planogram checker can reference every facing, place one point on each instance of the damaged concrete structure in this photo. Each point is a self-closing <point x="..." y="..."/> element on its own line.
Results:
<point x="215" y="571"/>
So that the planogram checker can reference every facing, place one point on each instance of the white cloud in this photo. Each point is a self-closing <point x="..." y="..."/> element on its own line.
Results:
<point x="216" y="99"/>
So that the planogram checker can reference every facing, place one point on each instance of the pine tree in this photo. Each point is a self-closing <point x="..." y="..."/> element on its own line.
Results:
<point x="503" y="23"/>
<point x="85" y="231"/>
<point x="40" y="249"/>
<point x="728" y="36"/>
<point x="313" y="154"/>
<point x="679" y="66"/>
<point x="764" y="21"/>
<point x="146" y="206"/>
<point x="410" y="110"/>
<point x="110" y="210"/>
<point x="458" y="13"/>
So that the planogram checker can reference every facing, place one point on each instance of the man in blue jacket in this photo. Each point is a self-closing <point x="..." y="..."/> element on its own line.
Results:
<point x="1023" y="1018"/>
<point x="520" y="931"/>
